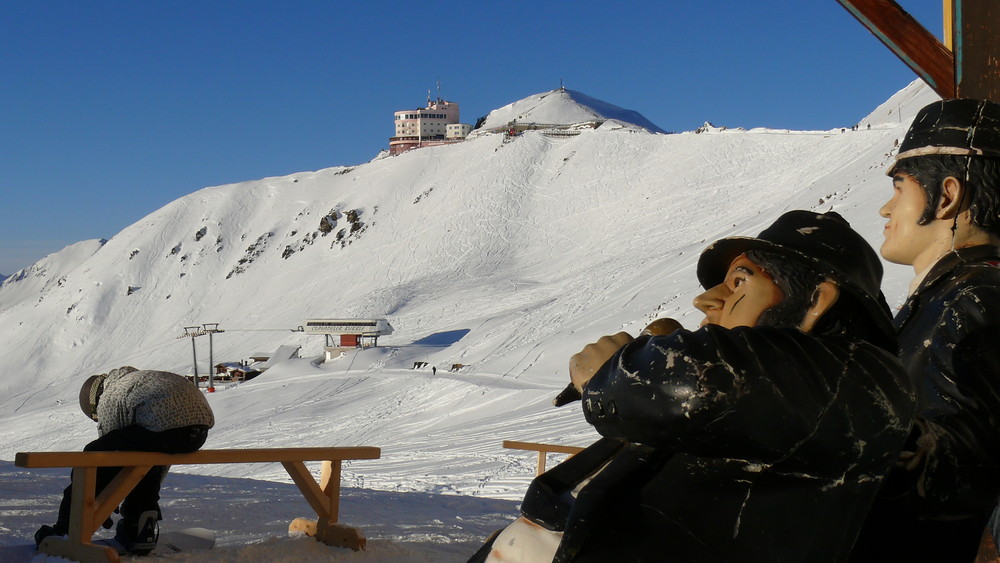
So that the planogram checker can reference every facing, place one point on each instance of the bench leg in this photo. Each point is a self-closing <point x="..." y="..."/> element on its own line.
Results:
<point x="76" y="545"/>
<point x="324" y="497"/>
<point x="116" y="491"/>
<point x="329" y="481"/>
<point x="330" y="533"/>
<point x="88" y="510"/>
<point x="81" y="514"/>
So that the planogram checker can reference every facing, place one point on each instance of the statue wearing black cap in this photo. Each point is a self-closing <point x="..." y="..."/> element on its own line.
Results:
<point x="943" y="219"/>
<point x="762" y="436"/>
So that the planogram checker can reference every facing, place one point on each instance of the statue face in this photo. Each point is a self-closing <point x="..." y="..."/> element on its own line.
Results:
<point x="904" y="239"/>
<point x="740" y="299"/>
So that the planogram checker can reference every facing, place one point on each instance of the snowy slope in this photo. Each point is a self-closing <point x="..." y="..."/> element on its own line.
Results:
<point x="503" y="256"/>
<point x="35" y="280"/>
<point x="901" y="108"/>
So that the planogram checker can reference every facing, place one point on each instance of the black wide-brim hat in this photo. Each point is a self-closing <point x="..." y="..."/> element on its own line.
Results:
<point x="823" y="242"/>
<point x="957" y="126"/>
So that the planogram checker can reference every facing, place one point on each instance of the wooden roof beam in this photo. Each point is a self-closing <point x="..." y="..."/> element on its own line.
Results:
<point x="918" y="48"/>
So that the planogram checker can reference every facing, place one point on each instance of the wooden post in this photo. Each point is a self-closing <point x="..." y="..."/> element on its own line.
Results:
<point x="947" y="10"/>
<point x="976" y="31"/>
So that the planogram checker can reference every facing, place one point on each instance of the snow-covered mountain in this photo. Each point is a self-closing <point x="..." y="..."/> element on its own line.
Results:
<point x="506" y="255"/>
<point x="34" y="281"/>
<point x="565" y="107"/>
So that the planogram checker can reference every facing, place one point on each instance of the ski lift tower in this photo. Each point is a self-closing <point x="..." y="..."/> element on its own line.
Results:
<point x="193" y="332"/>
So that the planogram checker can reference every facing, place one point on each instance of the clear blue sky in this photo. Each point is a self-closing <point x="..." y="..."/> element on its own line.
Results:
<point x="112" y="109"/>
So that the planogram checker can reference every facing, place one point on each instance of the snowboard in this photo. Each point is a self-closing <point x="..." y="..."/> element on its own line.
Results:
<point x="173" y="541"/>
<point x="188" y="539"/>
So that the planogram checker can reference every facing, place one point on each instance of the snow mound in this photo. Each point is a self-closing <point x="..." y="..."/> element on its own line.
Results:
<point x="565" y="107"/>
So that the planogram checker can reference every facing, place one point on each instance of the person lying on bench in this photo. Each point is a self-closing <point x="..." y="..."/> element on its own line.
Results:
<point x="138" y="410"/>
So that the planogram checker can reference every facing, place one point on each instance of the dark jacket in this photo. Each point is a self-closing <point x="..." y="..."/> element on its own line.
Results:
<point x="768" y="445"/>
<point x="949" y="339"/>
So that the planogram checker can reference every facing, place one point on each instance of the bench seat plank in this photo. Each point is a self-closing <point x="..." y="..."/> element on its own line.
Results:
<point x="116" y="459"/>
<point x="534" y="446"/>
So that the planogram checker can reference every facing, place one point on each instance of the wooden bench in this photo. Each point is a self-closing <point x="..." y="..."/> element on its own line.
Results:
<point x="542" y="450"/>
<point x="89" y="510"/>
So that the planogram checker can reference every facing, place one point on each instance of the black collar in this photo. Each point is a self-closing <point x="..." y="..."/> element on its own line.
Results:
<point x="941" y="269"/>
<point x="954" y="259"/>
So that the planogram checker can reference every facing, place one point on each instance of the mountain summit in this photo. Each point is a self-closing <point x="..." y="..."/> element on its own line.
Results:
<point x="565" y="107"/>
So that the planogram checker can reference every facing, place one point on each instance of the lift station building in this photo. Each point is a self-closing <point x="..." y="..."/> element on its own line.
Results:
<point x="348" y="332"/>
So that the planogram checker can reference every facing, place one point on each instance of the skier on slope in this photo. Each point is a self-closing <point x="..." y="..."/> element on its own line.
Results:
<point x="138" y="410"/>
<point x="762" y="436"/>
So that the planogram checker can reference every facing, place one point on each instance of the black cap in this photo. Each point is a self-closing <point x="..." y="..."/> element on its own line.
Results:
<point x="963" y="127"/>
<point x="824" y="242"/>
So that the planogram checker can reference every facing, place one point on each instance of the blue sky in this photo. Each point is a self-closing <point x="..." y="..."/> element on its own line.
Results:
<point x="112" y="109"/>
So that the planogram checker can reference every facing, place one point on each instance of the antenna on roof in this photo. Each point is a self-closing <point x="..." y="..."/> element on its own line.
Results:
<point x="561" y="87"/>
<point x="439" y="90"/>
<point x="428" y="98"/>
